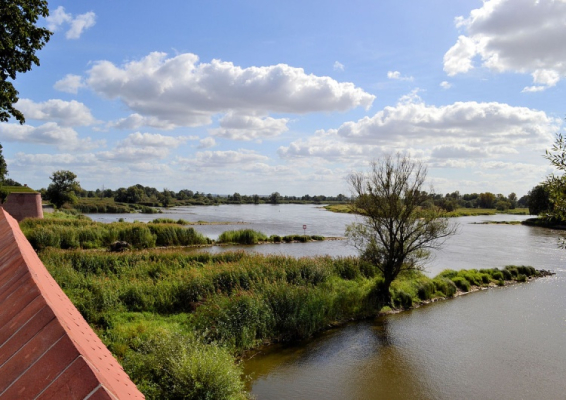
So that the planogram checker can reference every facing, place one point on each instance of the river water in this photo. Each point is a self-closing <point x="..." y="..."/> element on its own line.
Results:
<point x="503" y="343"/>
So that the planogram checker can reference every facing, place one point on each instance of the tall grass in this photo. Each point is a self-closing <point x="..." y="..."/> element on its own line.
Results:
<point x="242" y="236"/>
<point x="177" y="319"/>
<point x="72" y="233"/>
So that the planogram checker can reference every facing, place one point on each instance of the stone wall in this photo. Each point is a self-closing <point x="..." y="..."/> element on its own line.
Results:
<point x="24" y="205"/>
<point x="47" y="349"/>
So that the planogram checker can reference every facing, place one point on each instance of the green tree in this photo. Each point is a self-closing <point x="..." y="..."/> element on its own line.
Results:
<point x="3" y="168"/>
<point x="539" y="200"/>
<point x="556" y="184"/>
<point x="20" y="38"/>
<point x="486" y="200"/>
<point x="395" y="232"/>
<point x="63" y="189"/>
<point x="274" y="198"/>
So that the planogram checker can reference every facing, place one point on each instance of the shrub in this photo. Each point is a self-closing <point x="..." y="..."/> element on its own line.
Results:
<point x="521" y="278"/>
<point x="401" y="299"/>
<point x="243" y="236"/>
<point x="426" y="290"/>
<point x="462" y="283"/>
<point x="179" y="366"/>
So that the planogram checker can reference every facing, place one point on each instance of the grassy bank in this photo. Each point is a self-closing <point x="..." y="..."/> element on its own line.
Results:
<point x="178" y="321"/>
<point x="65" y="231"/>
<point x="460" y="212"/>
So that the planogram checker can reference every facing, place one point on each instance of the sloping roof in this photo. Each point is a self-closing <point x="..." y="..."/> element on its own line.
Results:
<point x="47" y="349"/>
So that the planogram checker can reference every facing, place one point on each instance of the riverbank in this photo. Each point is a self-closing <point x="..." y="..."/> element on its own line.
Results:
<point x="160" y="311"/>
<point x="460" y="212"/>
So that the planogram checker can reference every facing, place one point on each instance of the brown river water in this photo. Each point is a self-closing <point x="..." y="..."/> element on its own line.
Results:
<point x="502" y="343"/>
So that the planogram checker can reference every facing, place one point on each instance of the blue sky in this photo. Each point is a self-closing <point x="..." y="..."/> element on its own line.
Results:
<point x="289" y="96"/>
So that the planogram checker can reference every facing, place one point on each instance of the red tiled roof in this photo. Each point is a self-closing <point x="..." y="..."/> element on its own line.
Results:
<point x="47" y="349"/>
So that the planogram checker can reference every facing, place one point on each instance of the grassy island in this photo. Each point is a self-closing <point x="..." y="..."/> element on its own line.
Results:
<point x="179" y="321"/>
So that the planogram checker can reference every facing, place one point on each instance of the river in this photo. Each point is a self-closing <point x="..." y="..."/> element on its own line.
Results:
<point x="503" y="343"/>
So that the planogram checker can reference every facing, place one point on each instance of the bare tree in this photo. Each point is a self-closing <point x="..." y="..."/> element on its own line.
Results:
<point x="395" y="232"/>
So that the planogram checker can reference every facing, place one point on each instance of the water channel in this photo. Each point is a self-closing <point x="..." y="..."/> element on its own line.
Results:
<point x="503" y="343"/>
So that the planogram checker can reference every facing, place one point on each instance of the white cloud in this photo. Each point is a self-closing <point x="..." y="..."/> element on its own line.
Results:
<point x="135" y="121"/>
<point x="154" y="140"/>
<point x="207" y="143"/>
<point x="50" y="133"/>
<point x="327" y="145"/>
<point x="482" y="124"/>
<point x="459" y="151"/>
<point x="184" y="92"/>
<point x="338" y="66"/>
<point x="134" y="154"/>
<point x="445" y="85"/>
<point x="246" y="127"/>
<point x="70" y="84"/>
<point x="65" y="113"/>
<point x="463" y="130"/>
<point x="23" y="159"/>
<point x="78" y="24"/>
<point x="396" y="75"/>
<point x="140" y="147"/>
<point x="219" y="159"/>
<point x="523" y="36"/>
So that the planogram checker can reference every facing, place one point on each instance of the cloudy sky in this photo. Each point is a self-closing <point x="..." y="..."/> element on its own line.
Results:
<point x="256" y="96"/>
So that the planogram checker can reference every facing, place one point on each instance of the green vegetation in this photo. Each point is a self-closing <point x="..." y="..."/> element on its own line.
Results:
<point x="243" y="236"/>
<point x="179" y="320"/>
<point x="66" y="231"/>
<point x="69" y="230"/>
<point x="396" y="230"/>
<point x="21" y="38"/>
<point x="459" y="212"/>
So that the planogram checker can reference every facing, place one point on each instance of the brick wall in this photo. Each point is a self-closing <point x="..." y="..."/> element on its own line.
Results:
<point x="47" y="349"/>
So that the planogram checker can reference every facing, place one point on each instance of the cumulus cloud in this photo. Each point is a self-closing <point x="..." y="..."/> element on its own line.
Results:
<point x="246" y="127"/>
<point x="140" y="147"/>
<point x="23" y="159"/>
<point x="50" y="133"/>
<point x="219" y="159"/>
<point x="70" y="84"/>
<point x="518" y="36"/>
<point x="445" y="85"/>
<point x="485" y="124"/>
<point x="207" y="143"/>
<point x="462" y="130"/>
<point x="135" y="121"/>
<point x="65" y="113"/>
<point x="77" y="25"/>
<point x="183" y="92"/>
<point x="327" y="145"/>
<point x="396" y="75"/>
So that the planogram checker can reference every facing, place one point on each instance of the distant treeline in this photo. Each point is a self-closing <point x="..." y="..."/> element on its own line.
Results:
<point x="122" y="199"/>
<point x="143" y="198"/>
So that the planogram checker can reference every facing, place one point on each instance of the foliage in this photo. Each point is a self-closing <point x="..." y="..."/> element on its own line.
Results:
<point x="243" y="236"/>
<point x="556" y="184"/>
<point x="177" y="320"/>
<point x="20" y="38"/>
<point x="539" y="200"/>
<point x="63" y="188"/>
<point x="66" y="232"/>
<point x="3" y="168"/>
<point x="395" y="232"/>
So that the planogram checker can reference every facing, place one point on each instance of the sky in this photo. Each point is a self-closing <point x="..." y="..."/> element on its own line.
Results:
<point x="254" y="96"/>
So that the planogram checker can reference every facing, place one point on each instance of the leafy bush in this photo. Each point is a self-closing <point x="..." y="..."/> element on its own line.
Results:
<point x="462" y="283"/>
<point x="179" y="366"/>
<point x="243" y="236"/>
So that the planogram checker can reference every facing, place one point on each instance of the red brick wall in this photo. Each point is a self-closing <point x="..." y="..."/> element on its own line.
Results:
<point x="47" y="349"/>
<point x="24" y="205"/>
